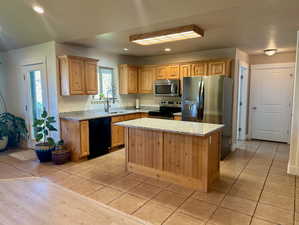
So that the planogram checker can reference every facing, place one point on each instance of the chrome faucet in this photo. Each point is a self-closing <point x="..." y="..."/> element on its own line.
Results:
<point x="107" y="105"/>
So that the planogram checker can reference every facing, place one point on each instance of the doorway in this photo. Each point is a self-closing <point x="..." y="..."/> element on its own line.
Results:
<point x="242" y="100"/>
<point x="271" y="96"/>
<point x="36" y="96"/>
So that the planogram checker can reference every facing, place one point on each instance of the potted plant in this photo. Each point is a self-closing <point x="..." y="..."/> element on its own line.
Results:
<point x="15" y="127"/>
<point x="43" y="127"/>
<point x="3" y="136"/>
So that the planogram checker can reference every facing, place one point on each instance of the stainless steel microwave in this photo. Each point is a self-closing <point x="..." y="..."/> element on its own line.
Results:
<point x="167" y="88"/>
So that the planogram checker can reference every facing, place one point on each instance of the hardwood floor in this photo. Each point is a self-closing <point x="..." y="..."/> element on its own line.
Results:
<point x="37" y="201"/>
<point x="253" y="188"/>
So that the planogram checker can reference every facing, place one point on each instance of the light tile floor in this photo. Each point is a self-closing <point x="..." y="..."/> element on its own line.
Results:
<point x="253" y="188"/>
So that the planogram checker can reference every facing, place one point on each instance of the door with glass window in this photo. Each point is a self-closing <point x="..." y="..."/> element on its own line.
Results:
<point x="36" y="95"/>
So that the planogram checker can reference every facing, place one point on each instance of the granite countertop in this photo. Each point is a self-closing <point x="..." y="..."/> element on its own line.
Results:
<point x="175" y="126"/>
<point x="94" y="114"/>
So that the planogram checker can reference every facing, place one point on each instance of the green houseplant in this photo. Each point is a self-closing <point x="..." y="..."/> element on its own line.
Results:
<point x="14" y="129"/>
<point x="43" y="127"/>
<point x="3" y="136"/>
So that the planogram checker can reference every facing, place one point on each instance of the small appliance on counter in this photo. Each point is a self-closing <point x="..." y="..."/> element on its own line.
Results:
<point x="167" y="88"/>
<point x="137" y="104"/>
<point x="209" y="99"/>
<point x="166" y="110"/>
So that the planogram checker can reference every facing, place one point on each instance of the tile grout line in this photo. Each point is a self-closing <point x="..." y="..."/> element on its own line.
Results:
<point x="264" y="185"/>
<point x="235" y="180"/>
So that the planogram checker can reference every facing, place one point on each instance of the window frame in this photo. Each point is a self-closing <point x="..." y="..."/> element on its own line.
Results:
<point x="100" y="82"/>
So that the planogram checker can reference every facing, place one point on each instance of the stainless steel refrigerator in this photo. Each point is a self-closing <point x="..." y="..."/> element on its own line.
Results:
<point x="208" y="99"/>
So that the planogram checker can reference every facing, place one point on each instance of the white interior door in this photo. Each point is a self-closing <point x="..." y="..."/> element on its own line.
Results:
<point x="242" y="100"/>
<point x="36" y="95"/>
<point x="271" y="102"/>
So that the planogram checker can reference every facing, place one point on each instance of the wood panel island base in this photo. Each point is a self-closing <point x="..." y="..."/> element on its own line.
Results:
<point x="185" y="153"/>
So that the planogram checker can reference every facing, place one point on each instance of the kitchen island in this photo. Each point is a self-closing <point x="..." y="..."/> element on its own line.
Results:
<point x="185" y="153"/>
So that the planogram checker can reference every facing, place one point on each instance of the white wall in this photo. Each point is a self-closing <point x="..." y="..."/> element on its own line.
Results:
<point x="3" y="77"/>
<point x="293" y="166"/>
<point x="15" y="91"/>
<point x="78" y="103"/>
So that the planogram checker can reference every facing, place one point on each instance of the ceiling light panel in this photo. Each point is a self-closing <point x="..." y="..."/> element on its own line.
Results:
<point x="170" y="35"/>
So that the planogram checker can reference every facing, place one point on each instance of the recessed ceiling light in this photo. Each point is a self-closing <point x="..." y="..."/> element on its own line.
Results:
<point x="163" y="36"/>
<point x="38" y="9"/>
<point x="270" y="52"/>
<point x="167" y="49"/>
<point x="126" y="49"/>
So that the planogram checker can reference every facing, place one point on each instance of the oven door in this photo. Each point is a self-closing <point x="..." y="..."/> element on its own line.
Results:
<point x="166" y="88"/>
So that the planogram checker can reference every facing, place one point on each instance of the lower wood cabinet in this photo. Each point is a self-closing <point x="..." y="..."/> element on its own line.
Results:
<point x="118" y="133"/>
<point x="177" y="117"/>
<point x="76" y="138"/>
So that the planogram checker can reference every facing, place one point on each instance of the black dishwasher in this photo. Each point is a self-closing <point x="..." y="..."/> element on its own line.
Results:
<point x="99" y="136"/>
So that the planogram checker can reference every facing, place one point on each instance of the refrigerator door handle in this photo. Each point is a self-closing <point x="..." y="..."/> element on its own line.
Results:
<point x="200" y="101"/>
<point x="203" y="100"/>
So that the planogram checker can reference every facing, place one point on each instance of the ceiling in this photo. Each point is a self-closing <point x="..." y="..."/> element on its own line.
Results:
<point x="106" y="24"/>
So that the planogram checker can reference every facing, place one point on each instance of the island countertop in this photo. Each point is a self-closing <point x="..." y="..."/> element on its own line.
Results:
<point x="174" y="126"/>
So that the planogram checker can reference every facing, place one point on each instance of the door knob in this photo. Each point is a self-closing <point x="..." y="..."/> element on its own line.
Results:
<point x="254" y="108"/>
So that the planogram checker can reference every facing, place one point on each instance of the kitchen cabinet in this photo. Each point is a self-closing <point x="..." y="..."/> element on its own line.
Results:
<point x="219" y="67"/>
<point x="161" y="73"/>
<point x="78" y="75"/>
<point x="177" y="117"/>
<point x="76" y="138"/>
<point x="199" y="69"/>
<point x="146" y="77"/>
<point x="185" y="71"/>
<point x="91" y="77"/>
<point x="173" y="72"/>
<point x="128" y="79"/>
<point x="168" y="72"/>
<point x="117" y="132"/>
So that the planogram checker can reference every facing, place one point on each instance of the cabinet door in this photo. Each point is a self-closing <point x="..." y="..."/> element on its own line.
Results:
<point x="199" y="69"/>
<point x="185" y="70"/>
<point x="84" y="137"/>
<point x="91" y="77"/>
<point x="132" y="80"/>
<point x="173" y="72"/>
<point x="118" y="135"/>
<point x="218" y="68"/>
<point x="146" y="78"/>
<point x="161" y="72"/>
<point x="76" y="68"/>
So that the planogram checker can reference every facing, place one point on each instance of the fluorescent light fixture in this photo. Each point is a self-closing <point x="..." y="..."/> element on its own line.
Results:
<point x="167" y="49"/>
<point x="126" y="49"/>
<point x="163" y="36"/>
<point x="270" y="52"/>
<point x="38" y="9"/>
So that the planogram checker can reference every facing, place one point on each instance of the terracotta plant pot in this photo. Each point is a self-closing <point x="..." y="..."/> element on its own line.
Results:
<point x="3" y="143"/>
<point x="44" y="152"/>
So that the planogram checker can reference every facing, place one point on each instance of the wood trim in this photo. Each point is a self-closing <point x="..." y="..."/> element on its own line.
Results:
<point x="175" y="30"/>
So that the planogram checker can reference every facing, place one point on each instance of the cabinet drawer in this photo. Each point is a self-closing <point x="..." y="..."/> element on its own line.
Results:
<point x="116" y="119"/>
<point x="132" y="116"/>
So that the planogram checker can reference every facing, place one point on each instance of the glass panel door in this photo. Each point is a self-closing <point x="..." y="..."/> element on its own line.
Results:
<point x="35" y="84"/>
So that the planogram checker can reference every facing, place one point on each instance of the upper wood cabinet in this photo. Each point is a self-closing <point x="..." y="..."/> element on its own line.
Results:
<point x="219" y="67"/>
<point x="168" y="72"/>
<point x="78" y="75"/>
<point x="185" y="70"/>
<point x="161" y="73"/>
<point x="199" y="69"/>
<point x="173" y="72"/>
<point x="146" y="77"/>
<point x="128" y="79"/>
<point x="91" y="77"/>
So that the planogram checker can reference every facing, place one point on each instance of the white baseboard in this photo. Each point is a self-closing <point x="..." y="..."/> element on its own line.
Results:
<point x="294" y="170"/>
